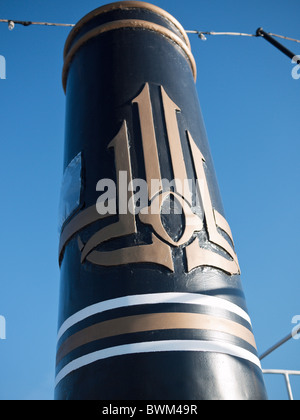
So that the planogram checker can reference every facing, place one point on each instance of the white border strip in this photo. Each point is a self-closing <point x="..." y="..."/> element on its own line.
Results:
<point x="154" y="298"/>
<point x="157" y="346"/>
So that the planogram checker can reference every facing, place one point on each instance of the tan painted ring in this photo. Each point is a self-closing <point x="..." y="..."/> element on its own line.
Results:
<point x="127" y="23"/>
<point x="153" y="322"/>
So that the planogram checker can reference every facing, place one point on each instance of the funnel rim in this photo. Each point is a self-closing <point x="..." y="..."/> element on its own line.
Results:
<point x="124" y="5"/>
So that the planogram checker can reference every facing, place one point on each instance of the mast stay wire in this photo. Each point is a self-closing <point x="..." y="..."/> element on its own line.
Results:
<point x="268" y="36"/>
<point x="201" y="34"/>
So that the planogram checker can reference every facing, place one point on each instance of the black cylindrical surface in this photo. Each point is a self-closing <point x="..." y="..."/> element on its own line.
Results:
<point x="151" y="302"/>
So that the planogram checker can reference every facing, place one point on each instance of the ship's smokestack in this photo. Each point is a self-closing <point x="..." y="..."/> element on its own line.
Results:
<point x="151" y="302"/>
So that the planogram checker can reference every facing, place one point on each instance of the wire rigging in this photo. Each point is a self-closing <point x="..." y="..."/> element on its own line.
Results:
<point x="12" y="23"/>
<point x="285" y="37"/>
<point x="201" y="34"/>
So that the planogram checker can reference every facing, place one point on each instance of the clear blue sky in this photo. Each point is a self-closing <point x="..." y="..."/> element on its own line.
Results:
<point x="250" y="104"/>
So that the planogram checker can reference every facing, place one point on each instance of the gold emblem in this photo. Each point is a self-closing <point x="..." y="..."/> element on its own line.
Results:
<point x="218" y="250"/>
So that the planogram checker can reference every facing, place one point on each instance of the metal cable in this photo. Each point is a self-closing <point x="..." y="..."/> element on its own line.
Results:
<point x="201" y="34"/>
<point x="28" y="23"/>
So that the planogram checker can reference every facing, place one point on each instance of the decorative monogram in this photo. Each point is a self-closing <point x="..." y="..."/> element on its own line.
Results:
<point x="218" y="250"/>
